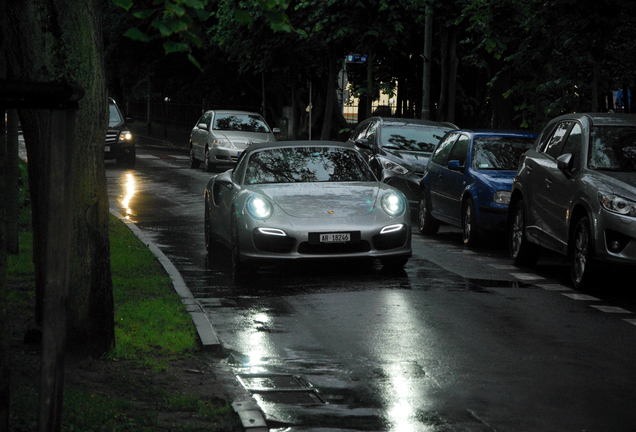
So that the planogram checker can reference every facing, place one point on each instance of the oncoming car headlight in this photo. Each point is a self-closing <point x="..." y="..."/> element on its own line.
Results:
<point x="259" y="208"/>
<point x="393" y="204"/>
<point x="617" y="204"/>
<point x="125" y="136"/>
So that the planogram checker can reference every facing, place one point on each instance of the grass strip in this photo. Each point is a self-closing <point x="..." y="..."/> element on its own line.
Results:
<point x="133" y="387"/>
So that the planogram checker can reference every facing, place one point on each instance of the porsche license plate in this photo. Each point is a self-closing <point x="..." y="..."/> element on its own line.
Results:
<point x="335" y="238"/>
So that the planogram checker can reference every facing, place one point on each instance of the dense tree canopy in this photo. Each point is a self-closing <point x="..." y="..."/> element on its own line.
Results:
<point x="510" y="63"/>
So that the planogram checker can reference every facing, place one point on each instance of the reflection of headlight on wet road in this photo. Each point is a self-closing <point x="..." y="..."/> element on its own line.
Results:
<point x="130" y="191"/>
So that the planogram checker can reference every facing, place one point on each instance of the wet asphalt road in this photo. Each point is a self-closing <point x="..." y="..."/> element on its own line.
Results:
<point x="460" y="340"/>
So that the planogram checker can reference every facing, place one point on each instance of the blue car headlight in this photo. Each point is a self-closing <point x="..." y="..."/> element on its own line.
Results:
<point x="502" y="197"/>
<point x="393" y="204"/>
<point x="258" y="207"/>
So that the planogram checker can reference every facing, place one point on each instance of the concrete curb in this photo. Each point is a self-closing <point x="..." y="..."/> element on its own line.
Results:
<point x="248" y="410"/>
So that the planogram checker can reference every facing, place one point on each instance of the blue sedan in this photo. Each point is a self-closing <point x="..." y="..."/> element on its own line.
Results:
<point x="468" y="181"/>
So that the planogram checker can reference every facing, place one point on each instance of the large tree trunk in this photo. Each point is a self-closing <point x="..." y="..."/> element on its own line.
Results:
<point x="62" y="40"/>
<point x="449" y="64"/>
<point x="329" y="102"/>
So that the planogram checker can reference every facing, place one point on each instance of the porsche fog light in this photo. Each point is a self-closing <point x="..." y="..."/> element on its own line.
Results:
<point x="502" y="197"/>
<point x="391" y="228"/>
<point x="259" y="208"/>
<point x="393" y="204"/>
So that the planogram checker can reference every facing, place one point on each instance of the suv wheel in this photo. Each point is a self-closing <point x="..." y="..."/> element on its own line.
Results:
<point x="580" y="255"/>
<point x="521" y="250"/>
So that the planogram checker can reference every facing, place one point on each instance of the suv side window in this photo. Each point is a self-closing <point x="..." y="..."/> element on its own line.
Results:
<point x="460" y="150"/>
<point x="361" y="132"/>
<point x="573" y="145"/>
<point x="372" y="133"/>
<point x="439" y="156"/>
<point x="556" y="140"/>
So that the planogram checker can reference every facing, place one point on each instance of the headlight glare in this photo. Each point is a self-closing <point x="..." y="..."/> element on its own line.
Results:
<point x="125" y="136"/>
<point x="259" y="208"/>
<point x="393" y="204"/>
<point x="617" y="204"/>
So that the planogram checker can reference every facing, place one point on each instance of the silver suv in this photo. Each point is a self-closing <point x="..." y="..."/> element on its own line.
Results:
<point x="575" y="193"/>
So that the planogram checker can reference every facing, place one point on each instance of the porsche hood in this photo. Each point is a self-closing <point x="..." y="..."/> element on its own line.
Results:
<point x="310" y="200"/>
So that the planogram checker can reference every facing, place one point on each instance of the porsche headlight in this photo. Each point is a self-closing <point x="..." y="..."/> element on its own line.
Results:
<point x="259" y="208"/>
<point x="390" y="165"/>
<point x="393" y="204"/>
<point x="617" y="204"/>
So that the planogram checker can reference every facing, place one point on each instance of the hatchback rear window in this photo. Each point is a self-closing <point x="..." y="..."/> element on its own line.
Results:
<point x="499" y="153"/>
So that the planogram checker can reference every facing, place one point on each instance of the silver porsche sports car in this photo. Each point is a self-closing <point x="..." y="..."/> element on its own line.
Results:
<point x="305" y="200"/>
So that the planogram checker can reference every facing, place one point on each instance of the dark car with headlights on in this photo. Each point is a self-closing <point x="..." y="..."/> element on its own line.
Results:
<point x="120" y="141"/>
<point x="468" y="180"/>
<point x="575" y="193"/>
<point x="397" y="150"/>
<point x="305" y="200"/>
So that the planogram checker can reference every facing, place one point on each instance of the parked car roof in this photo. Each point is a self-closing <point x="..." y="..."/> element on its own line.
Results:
<point x="498" y="132"/>
<point x="404" y="121"/>
<point x="601" y="119"/>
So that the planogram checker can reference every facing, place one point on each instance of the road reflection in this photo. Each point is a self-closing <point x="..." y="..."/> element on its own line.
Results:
<point x="129" y="193"/>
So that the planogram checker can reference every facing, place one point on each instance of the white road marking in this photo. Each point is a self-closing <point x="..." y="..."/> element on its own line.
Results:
<point x="555" y="287"/>
<point x="503" y="266"/>
<point x="526" y="276"/>
<point x="611" y="309"/>
<point x="583" y="297"/>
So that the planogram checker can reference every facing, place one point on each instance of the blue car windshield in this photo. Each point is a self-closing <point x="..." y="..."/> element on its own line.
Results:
<point x="240" y="122"/>
<point x="306" y="164"/>
<point x="412" y="138"/>
<point x="499" y="152"/>
<point x="613" y="148"/>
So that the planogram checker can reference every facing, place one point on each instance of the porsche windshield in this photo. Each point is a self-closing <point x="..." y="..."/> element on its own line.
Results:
<point x="306" y="164"/>
<point x="613" y="148"/>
